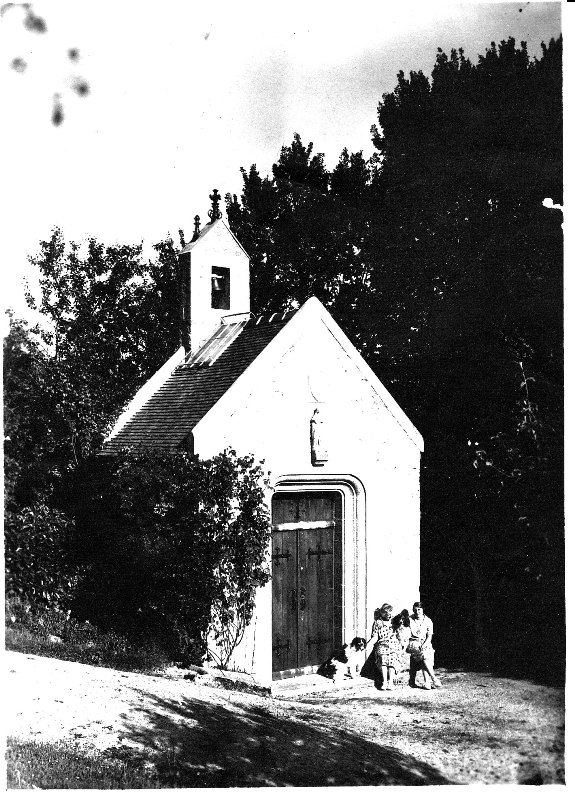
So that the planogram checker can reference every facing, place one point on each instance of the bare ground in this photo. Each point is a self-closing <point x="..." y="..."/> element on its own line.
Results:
<point x="477" y="729"/>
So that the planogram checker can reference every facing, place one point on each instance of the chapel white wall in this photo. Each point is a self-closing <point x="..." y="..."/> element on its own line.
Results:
<point x="271" y="420"/>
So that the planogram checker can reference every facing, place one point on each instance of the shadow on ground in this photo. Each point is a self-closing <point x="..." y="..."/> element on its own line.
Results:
<point x="208" y="745"/>
<point x="536" y="756"/>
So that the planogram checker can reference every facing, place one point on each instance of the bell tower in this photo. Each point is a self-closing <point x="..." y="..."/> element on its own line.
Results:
<point x="214" y="278"/>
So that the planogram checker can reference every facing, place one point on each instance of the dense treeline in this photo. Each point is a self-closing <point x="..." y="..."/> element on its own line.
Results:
<point x="439" y="259"/>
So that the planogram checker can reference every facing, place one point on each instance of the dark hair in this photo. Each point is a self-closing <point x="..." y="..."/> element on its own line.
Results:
<point x="401" y="619"/>
<point x="385" y="610"/>
<point x="417" y="605"/>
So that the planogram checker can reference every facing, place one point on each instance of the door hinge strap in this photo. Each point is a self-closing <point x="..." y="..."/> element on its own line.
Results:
<point x="319" y="553"/>
<point x="277" y="555"/>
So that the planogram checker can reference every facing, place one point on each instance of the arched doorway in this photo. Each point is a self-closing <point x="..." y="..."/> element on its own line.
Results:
<point x="306" y="578"/>
<point x="318" y="569"/>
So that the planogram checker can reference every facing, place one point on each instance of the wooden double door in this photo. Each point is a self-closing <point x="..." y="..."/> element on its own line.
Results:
<point x="306" y="578"/>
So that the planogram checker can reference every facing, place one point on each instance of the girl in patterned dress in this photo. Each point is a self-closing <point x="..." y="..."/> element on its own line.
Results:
<point x="387" y="648"/>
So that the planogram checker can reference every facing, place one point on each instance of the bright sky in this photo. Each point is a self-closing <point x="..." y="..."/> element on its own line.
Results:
<point x="183" y="94"/>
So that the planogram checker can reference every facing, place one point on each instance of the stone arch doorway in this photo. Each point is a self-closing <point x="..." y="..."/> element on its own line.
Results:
<point x="318" y="570"/>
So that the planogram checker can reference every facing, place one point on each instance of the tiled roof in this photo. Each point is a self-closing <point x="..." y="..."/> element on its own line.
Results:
<point x="189" y="393"/>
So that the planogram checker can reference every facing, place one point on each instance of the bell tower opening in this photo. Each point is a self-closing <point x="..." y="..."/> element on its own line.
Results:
<point x="221" y="288"/>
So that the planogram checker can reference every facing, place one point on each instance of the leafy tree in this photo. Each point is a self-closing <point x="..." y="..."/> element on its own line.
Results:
<point x="24" y="384"/>
<point x="465" y="162"/>
<point x="37" y="536"/>
<point x="112" y="321"/>
<point x="301" y="235"/>
<point x="172" y="546"/>
<point x="37" y="543"/>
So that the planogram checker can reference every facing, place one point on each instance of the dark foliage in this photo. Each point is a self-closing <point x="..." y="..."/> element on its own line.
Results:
<point x="47" y="630"/>
<point x="37" y="533"/>
<point x="171" y="547"/>
<point x="37" y="542"/>
<point x="111" y="324"/>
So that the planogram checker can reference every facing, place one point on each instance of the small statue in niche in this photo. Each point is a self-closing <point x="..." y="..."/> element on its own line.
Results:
<point x="317" y="439"/>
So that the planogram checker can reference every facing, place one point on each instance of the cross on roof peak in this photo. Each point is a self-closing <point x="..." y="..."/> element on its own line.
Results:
<point x="214" y="213"/>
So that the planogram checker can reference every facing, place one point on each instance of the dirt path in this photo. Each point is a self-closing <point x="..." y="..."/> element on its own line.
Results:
<point x="478" y="729"/>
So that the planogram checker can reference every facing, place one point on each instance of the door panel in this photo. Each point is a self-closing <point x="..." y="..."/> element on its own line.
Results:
<point x="306" y="578"/>
<point x="315" y="626"/>
<point x="284" y="603"/>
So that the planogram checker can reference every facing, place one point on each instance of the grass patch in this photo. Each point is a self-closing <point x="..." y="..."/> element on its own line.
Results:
<point x="62" y="765"/>
<point x="54" y="633"/>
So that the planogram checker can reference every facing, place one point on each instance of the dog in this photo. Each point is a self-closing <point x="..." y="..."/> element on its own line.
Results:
<point x="345" y="662"/>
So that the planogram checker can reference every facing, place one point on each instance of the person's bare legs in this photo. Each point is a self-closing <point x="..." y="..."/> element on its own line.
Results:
<point x="414" y="668"/>
<point x="429" y="674"/>
<point x="381" y="683"/>
<point x="383" y="677"/>
<point x="390" y="678"/>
